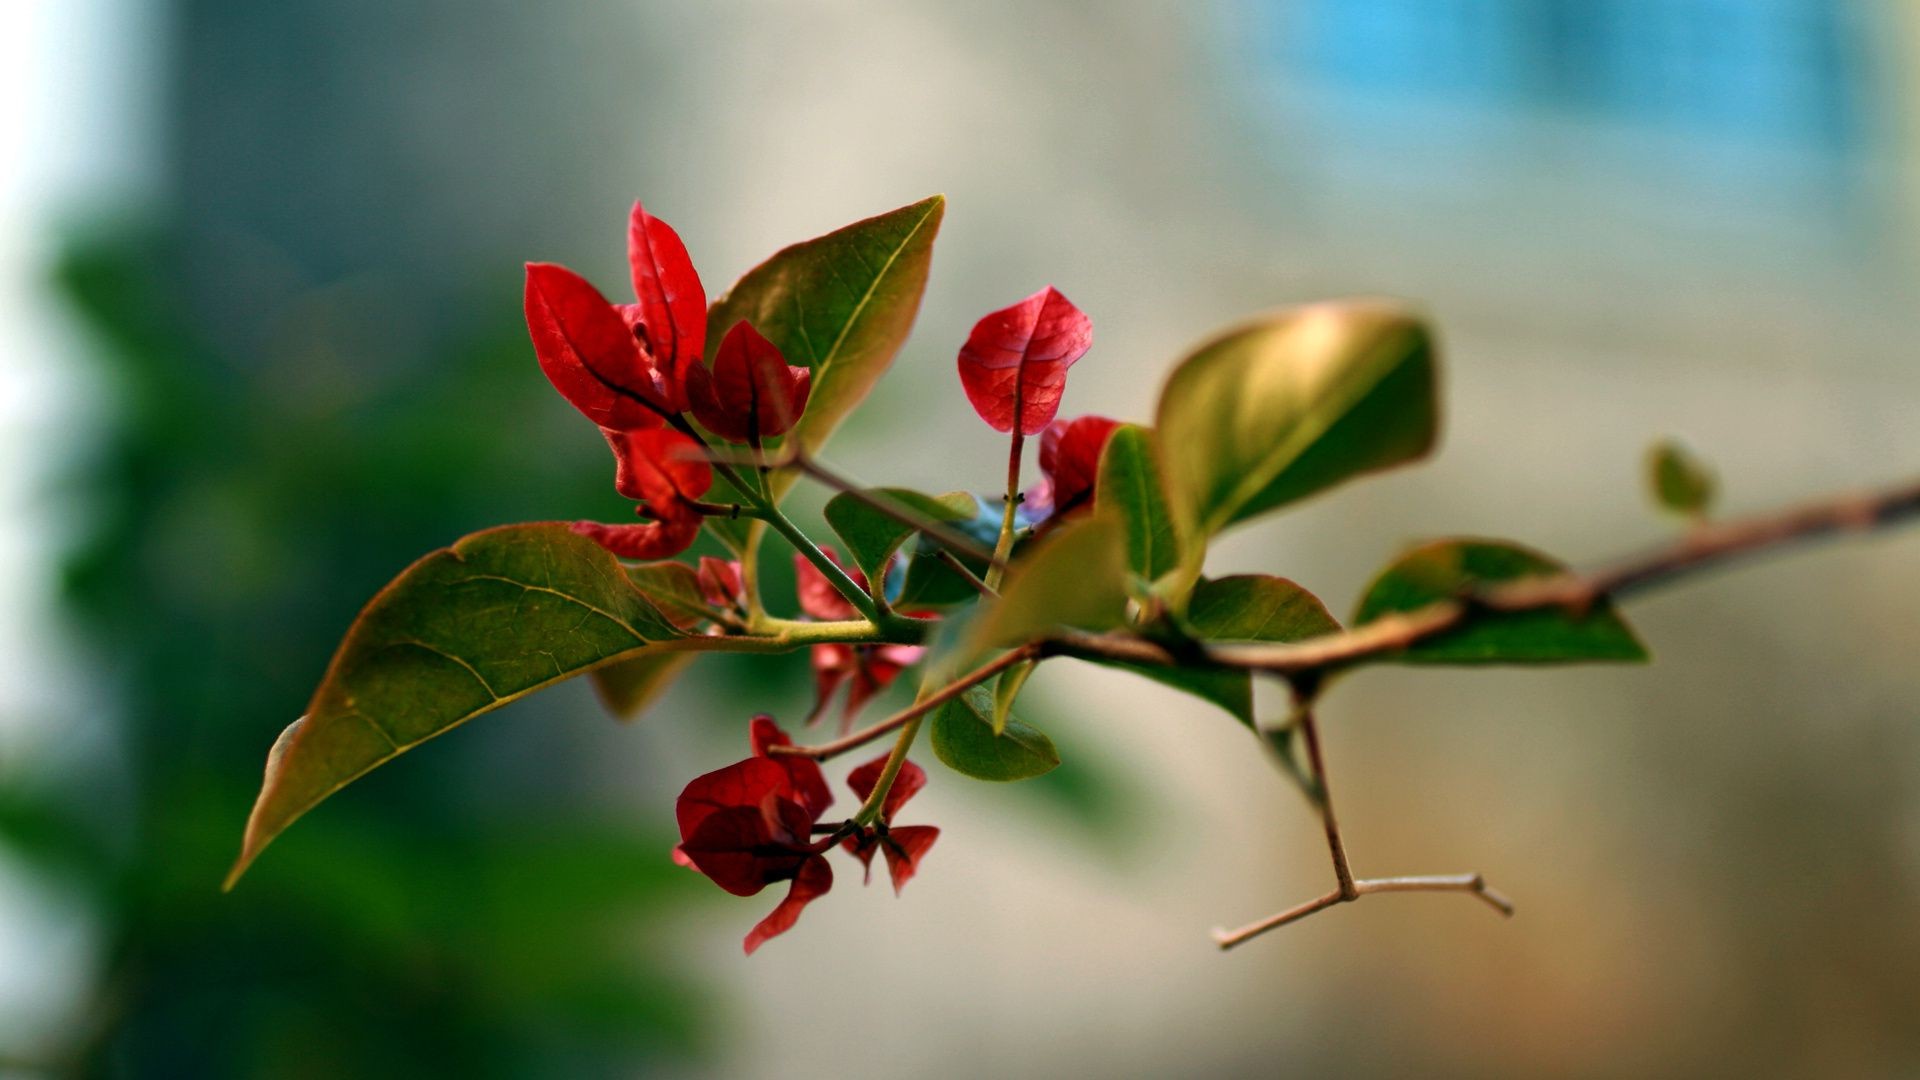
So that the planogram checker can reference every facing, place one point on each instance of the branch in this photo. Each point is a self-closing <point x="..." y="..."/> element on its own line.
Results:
<point x="1704" y="548"/>
<point x="912" y="712"/>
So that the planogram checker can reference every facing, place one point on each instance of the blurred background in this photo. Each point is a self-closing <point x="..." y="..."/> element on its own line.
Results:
<point x="259" y="279"/>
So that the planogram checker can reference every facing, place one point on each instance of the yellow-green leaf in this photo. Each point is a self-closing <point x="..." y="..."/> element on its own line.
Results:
<point x="1680" y="481"/>
<point x="1292" y="404"/>
<point x="498" y="615"/>
<point x="1131" y="488"/>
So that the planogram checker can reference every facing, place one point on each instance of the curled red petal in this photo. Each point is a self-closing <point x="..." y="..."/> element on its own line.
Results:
<point x="1070" y="457"/>
<point x="662" y="539"/>
<point x="817" y="596"/>
<point x="720" y="582"/>
<point x="908" y="783"/>
<point x="833" y="663"/>
<point x="751" y="391"/>
<point x="587" y="351"/>
<point x="812" y="882"/>
<point x="658" y="467"/>
<point x="904" y="847"/>
<point x="743" y="783"/>
<point x="1016" y="360"/>
<point x="672" y="304"/>
<point x="743" y="849"/>
<point x="805" y="785"/>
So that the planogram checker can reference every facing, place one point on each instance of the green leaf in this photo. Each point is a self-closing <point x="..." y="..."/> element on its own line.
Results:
<point x="1446" y="569"/>
<point x="1005" y="689"/>
<point x="1130" y="487"/>
<point x="1075" y="578"/>
<point x="840" y="304"/>
<point x="673" y="588"/>
<point x="930" y="581"/>
<point x="500" y="614"/>
<point x="964" y="739"/>
<point x="1256" y="607"/>
<point x="1681" y="482"/>
<point x="1248" y="607"/>
<point x="1291" y="405"/>
<point x="871" y="537"/>
<point x="629" y="687"/>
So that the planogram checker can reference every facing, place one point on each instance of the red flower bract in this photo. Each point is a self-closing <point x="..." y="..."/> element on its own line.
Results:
<point x="670" y="319"/>
<point x="1016" y="360"/>
<point x="751" y="392"/>
<point x="589" y="353"/>
<point x="750" y="824"/>
<point x="1070" y="459"/>
<point x="904" y="845"/>
<point x="664" y="472"/>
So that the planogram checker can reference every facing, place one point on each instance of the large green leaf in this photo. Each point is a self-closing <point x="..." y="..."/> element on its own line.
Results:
<point x="1131" y="488"/>
<point x="629" y="687"/>
<point x="964" y="739"/>
<point x="1075" y="578"/>
<point x="872" y="536"/>
<point x="498" y="615"/>
<point x="840" y="304"/>
<point x="1245" y="607"/>
<point x="1293" y="404"/>
<point x="1447" y="569"/>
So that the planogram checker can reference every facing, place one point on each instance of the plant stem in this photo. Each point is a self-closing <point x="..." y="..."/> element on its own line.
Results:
<point x="1004" y="545"/>
<point x="1310" y="731"/>
<point x="838" y="578"/>
<point x="925" y="703"/>
<point x="953" y="563"/>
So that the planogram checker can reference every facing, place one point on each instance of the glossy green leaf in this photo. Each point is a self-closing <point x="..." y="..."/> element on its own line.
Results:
<point x="1247" y="607"/>
<point x="963" y="738"/>
<point x="500" y="614"/>
<point x="1006" y="689"/>
<point x="871" y="537"/>
<point x="1680" y="481"/>
<point x="1076" y="578"/>
<point x="673" y="588"/>
<point x="1131" y="488"/>
<point x="1445" y="569"/>
<point x="629" y="687"/>
<point x="930" y="581"/>
<point x="840" y="304"/>
<point x="1295" y="403"/>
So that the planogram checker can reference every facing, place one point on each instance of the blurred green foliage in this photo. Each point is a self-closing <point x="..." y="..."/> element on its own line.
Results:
<point x="240" y="510"/>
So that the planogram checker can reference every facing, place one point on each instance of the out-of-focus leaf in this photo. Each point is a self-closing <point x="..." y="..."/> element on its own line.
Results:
<point x="466" y="629"/>
<point x="1006" y="689"/>
<point x="1293" y="404"/>
<point x="674" y="589"/>
<point x="1256" y="607"/>
<point x="872" y="537"/>
<point x="1249" y="607"/>
<point x="1132" y="489"/>
<point x="629" y="687"/>
<point x="1016" y="360"/>
<point x="840" y="304"/>
<point x="1075" y="578"/>
<point x="964" y="739"/>
<point x="1445" y="569"/>
<point x="930" y="582"/>
<point x="1680" y="481"/>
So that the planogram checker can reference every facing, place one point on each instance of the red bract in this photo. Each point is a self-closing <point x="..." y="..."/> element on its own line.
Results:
<point x="720" y="582"/>
<point x="903" y="845"/>
<point x="664" y="472"/>
<point x="751" y="823"/>
<point x="818" y="598"/>
<point x="866" y="669"/>
<point x="624" y="367"/>
<point x="670" y="319"/>
<point x="751" y="392"/>
<point x="1070" y="459"/>
<point x="1016" y="360"/>
<point x="588" y="352"/>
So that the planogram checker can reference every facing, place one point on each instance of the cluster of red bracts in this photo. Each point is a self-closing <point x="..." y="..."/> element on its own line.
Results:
<point x="753" y="823"/>
<point x="636" y="369"/>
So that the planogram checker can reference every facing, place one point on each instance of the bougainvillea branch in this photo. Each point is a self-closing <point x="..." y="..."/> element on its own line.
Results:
<point x="713" y="412"/>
